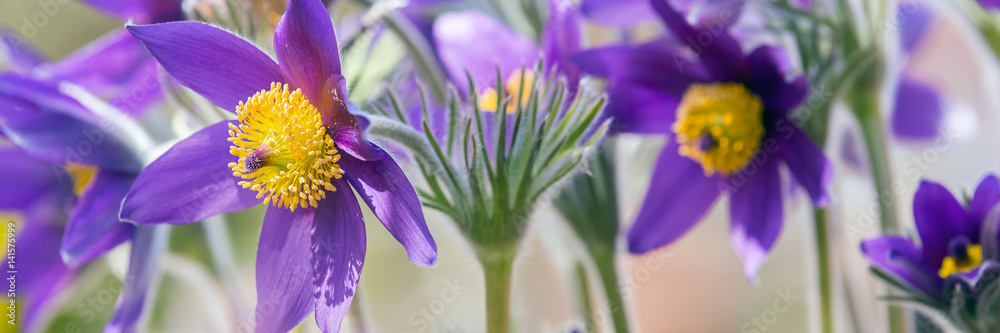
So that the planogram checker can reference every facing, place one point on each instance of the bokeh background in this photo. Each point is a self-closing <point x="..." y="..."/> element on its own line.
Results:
<point x="695" y="285"/>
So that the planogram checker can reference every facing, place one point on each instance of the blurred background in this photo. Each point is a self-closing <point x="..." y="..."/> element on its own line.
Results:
<point x="694" y="285"/>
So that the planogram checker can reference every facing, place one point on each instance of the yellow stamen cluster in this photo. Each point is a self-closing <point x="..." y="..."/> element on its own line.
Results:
<point x="488" y="98"/>
<point x="82" y="176"/>
<point x="283" y="149"/>
<point x="719" y="126"/>
<point x="971" y="259"/>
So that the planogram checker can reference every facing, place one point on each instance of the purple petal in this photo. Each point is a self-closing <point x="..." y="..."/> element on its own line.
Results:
<point x="717" y="49"/>
<point x="284" y="268"/>
<point x="617" y="13"/>
<point x="914" y="18"/>
<point x="190" y="182"/>
<point x="939" y="218"/>
<point x="755" y="209"/>
<point x="770" y="67"/>
<point x="986" y="197"/>
<point x="140" y="11"/>
<point x="21" y="56"/>
<point x="917" y="114"/>
<point x="338" y="245"/>
<point x="306" y="46"/>
<point x="40" y="270"/>
<point x="561" y="39"/>
<point x="93" y="226"/>
<point x="662" y="65"/>
<point x="220" y="66"/>
<point x="52" y="127"/>
<point x="389" y="194"/>
<point x="143" y="266"/>
<point x="900" y="257"/>
<point x="990" y="4"/>
<point x="116" y="66"/>
<point x="638" y="109"/>
<point x="459" y="39"/>
<point x="805" y="160"/>
<point x="668" y="212"/>
<point x="352" y="141"/>
<point x="26" y="179"/>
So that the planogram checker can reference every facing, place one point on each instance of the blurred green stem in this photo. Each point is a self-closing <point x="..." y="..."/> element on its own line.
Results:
<point x="586" y="304"/>
<point x="863" y="99"/>
<point x="497" y="269"/>
<point x="607" y="267"/>
<point x="866" y="106"/>
<point x="825" y="273"/>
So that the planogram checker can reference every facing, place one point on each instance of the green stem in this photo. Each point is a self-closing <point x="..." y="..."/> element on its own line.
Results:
<point x="866" y="107"/>
<point x="864" y="101"/>
<point x="825" y="273"/>
<point x="586" y="304"/>
<point x="497" y="269"/>
<point x="607" y="267"/>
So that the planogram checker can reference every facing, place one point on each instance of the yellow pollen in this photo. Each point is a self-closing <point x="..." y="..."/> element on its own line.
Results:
<point x="488" y="98"/>
<point x="282" y="148"/>
<point x="962" y="264"/>
<point x="82" y="175"/>
<point x="719" y="126"/>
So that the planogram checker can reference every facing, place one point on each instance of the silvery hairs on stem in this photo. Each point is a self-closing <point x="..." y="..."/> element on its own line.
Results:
<point x="489" y="183"/>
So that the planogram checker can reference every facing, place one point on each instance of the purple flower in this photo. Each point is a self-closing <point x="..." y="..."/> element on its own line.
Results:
<point x="727" y="117"/>
<point x="295" y="147"/>
<point x="990" y="4"/>
<point x="626" y="13"/>
<point x="917" y="113"/>
<point x="459" y="36"/>
<point x="955" y="241"/>
<point x="68" y="178"/>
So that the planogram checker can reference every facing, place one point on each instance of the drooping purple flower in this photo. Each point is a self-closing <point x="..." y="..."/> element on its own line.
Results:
<point x="726" y="114"/>
<point x="955" y="241"/>
<point x="295" y="146"/>
<point x="67" y="177"/>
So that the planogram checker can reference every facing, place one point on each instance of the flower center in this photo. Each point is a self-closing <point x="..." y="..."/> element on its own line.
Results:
<point x="963" y="259"/>
<point x="282" y="148"/>
<point x="719" y="126"/>
<point x="488" y="99"/>
<point x="82" y="175"/>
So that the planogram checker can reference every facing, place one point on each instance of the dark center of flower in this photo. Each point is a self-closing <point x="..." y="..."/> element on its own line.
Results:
<point x="963" y="257"/>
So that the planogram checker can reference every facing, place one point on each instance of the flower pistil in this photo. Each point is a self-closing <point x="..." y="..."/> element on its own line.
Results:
<point x="284" y="151"/>
<point x="719" y="126"/>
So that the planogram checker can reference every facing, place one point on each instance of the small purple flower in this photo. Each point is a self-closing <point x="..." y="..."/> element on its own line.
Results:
<point x="295" y="146"/>
<point x="727" y="115"/>
<point x="955" y="241"/>
<point x="990" y="4"/>
<point x="459" y="36"/>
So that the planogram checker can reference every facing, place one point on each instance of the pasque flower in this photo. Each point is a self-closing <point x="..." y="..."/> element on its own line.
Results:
<point x="459" y="36"/>
<point x="957" y="241"/>
<point x="67" y="178"/>
<point x="295" y="147"/>
<point x="726" y="114"/>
